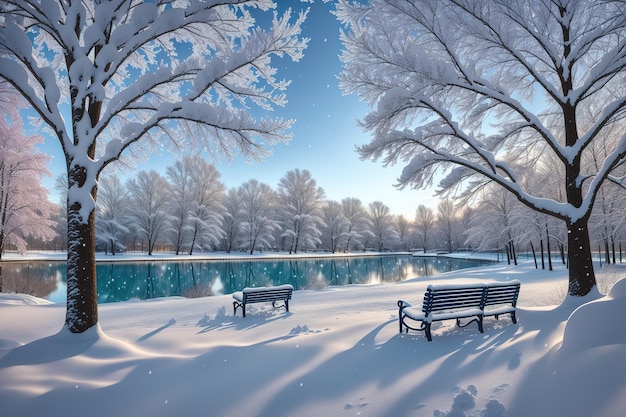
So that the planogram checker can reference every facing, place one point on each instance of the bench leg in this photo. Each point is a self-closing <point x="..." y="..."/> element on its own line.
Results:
<point x="429" y="335"/>
<point x="512" y="314"/>
<point x="236" y="305"/>
<point x="478" y="320"/>
<point x="285" y="304"/>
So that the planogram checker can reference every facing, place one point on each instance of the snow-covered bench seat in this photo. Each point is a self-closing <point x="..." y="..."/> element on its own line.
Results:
<point x="263" y="295"/>
<point x="460" y="301"/>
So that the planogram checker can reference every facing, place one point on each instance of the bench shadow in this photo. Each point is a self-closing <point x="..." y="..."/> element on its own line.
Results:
<point x="370" y="367"/>
<point x="255" y="317"/>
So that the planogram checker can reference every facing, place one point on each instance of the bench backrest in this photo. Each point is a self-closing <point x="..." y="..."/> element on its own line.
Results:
<point x="262" y="294"/>
<point x="502" y="293"/>
<point x="451" y="297"/>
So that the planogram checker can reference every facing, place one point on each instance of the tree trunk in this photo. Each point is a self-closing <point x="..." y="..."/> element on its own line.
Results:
<point x="582" y="278"/>
<point x="613" y="249"/>
<point x="532" y="247"/>
<point x="82" y="295"/>
<point x="193" y="241"/>
<point x="549" y="251"/>
<point x="513" y="253"/>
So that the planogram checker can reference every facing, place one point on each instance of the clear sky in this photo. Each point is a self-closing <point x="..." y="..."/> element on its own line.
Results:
<point x="324" y="135"/>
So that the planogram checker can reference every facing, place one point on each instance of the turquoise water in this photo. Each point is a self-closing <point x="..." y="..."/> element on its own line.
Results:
<point x="121" y="281"/>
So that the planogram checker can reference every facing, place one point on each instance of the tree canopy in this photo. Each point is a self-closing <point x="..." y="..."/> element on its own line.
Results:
<point x="108" y="76"/>
<point x="467" y="93"/>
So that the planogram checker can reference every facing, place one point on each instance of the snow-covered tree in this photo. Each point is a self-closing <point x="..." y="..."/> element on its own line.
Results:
<point x="493" y="222"/>
<point x="207" y="208"/>
<point x="24" y="207"/>
<point x="446" y="222"/>
<point x="232" y="222"/>
<point x="403" y="229"/>
<point x="334" y="231"/>
<point x="10" y="102"/>
<point x="424" y="225"/>
<point x="300" y="203"/>
<point x="149" y="194"/>
<point x="111" y="212"/>
<point x="383" y="225"/>
<point x="258" y="212"/>
<point x="359" y="224"/>
<point x="195" y="204"/>
<point x="104" y="76"/>
<point x="180" y="203"/>
<point x="607" y="219"/>
<point x="477" y="90"/>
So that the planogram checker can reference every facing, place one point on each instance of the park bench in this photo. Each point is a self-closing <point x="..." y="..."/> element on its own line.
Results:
<point x="460" y="301"/>
<point x="263" y="295"/>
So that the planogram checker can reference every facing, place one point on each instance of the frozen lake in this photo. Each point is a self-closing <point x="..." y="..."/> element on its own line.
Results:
<point x="121" y="281"/>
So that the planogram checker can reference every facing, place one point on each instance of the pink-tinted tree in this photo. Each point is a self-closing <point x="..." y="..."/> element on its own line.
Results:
<point x="24" y="206"/>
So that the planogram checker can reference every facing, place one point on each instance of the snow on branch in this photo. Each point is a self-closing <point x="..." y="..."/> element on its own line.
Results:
<point x="131" y="70"/>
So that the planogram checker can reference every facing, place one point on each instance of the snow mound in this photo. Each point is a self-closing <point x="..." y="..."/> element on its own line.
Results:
<point x="21" y="299"/>
<point x="594" y="324"/>
<point x="618" y="291"/>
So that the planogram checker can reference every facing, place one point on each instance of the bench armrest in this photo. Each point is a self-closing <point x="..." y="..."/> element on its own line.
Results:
<point x="403" y="304"/>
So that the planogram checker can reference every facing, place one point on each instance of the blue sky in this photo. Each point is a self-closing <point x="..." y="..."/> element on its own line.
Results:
<point x="324" y="135"/>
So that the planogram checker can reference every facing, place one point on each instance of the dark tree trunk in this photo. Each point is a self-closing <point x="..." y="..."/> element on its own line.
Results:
<point x="581" y="275"/>
<point x="82" y="296"/>
<point x="513" y="253"/>
<point x="532" y="247"/>
<point x="193" y="241"/>
<point x="549" y="251"/>
<point x="613" y="249"/>
<point x="582" y="278"/>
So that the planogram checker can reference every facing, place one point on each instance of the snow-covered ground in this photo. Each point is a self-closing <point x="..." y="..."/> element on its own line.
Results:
<point x="336" y="353"/>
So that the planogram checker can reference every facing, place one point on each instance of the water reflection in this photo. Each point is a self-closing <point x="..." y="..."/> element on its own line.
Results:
<point x="120" y="281"/>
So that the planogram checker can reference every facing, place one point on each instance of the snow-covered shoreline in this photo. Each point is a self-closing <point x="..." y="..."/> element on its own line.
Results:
<point x="169" y="256"/>
<point x="336" y="353"/>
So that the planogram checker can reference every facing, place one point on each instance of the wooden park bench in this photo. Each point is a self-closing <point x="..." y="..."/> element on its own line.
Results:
<point x="263" y="295"/>
<point x="457" y="301"/>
